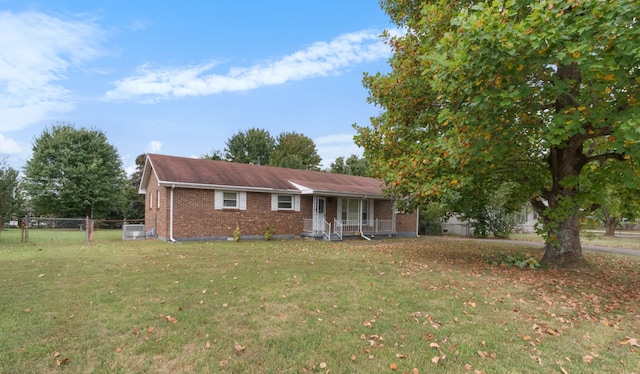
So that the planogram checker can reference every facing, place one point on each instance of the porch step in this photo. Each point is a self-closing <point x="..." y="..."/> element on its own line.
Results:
<point x="333" y="238"/>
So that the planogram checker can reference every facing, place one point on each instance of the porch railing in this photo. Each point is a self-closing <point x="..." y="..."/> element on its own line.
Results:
<point x="376" y="226"/>
<point x="307" y="225"/>
<point x="349" y="227"/>
<point x="337" y="228"/>
<point x="316" y="226"/>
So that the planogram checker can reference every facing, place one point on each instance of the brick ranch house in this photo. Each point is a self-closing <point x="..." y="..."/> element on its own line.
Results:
<point x="195" y="199"/>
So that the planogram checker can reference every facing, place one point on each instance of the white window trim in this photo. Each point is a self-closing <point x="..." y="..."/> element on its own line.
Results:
<point x="295" y="202"/>
<point x="158" y="202"/>
<point x="241" y="200"/>
<point x="150" y="200"/>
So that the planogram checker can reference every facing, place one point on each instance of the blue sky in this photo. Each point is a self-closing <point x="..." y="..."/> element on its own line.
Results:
<point x="180" y="78"/>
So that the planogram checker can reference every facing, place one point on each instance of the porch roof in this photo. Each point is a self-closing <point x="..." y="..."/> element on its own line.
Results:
<point x="208" y="174"/>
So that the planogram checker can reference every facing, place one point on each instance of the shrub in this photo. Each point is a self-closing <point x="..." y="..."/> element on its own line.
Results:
<point x="236" y="233"/>
<point x="268" y="232"/>
<point x="522" y="261"/>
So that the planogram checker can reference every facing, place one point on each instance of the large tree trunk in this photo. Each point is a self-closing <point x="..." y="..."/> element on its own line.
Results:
<point x="610" y="223"/>
<point x="562" y="247"/>
<point x="561" y="219"/>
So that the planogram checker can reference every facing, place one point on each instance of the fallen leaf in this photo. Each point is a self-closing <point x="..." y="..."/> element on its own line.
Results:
<point x="208" y="345"/>
<point x="239" y="348"/>
<point x="483" y="354"/>
<point x="41" y="275"/>
<point x="435" y="360"/>
<point x="415" y="371"/>
<point x="224" y="363"/>
<point x="630" y="341"/>
<point x="434" y="345"/>
<point x="323" y="365"/>
<point x="588" y="359"/>
<point x="57" y="354"/>
<point x="27" y="310"/>
<point x="171" y="319"/>
<point x="62" y="362"/>
<point x="393" y="366"/>
<point x="150" y="329"/>
<point x="400" y="355"/>
<point x="118" y="349"/>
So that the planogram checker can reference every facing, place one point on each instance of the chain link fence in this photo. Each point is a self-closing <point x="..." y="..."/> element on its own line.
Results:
<point x="53" y="229"/>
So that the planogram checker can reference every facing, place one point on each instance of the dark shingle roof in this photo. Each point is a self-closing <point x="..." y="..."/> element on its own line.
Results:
<point x="192" y="172"/>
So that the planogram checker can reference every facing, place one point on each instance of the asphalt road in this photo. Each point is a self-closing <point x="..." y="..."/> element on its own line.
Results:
<point x="622" y="251"/>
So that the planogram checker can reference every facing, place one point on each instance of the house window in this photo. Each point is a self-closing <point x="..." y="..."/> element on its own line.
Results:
<point x="230" y="200"/>
<point x="285" y="202"/>
<point x="351" y="209"/>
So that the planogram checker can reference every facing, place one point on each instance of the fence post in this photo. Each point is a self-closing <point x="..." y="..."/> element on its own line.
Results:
<point x="25" y="229"/>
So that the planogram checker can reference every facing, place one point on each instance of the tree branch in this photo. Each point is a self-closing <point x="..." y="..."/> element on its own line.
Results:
<point x="604" y="157"/>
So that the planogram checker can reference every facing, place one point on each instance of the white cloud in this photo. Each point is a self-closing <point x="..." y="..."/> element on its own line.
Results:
<point x="36" y="51"/>
<point x="9" y="146"/>
<point x="154" y="146"/>
<point x="320" y="59"/>
<point x="331" y="147"/>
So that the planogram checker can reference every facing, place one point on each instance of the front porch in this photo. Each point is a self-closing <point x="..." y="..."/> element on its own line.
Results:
<point x="337" y="230"/>
<point x="338" y="217"/>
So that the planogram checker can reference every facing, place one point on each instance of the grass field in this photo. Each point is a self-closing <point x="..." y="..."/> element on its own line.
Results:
<point x="427" y="305"/>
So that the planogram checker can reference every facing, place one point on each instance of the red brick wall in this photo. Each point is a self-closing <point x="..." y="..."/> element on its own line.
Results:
<point x="157" y="216"/>
<point x="195" y="216"/>
<point x="406" y="223"/>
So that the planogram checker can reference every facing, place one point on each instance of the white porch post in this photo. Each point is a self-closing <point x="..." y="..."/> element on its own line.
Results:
<point x="314" y="213"/>
<point x="360" y="216"/>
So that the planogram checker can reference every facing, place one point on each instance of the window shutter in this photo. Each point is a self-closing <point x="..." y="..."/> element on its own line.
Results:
<point x="242" y="200"/>
<point x="218" y="200"/>
<point x="274" y="201"/>
<point x="296" y="203"/>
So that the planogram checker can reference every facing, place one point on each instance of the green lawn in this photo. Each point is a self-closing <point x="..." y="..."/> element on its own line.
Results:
<point x="427" y="305"/>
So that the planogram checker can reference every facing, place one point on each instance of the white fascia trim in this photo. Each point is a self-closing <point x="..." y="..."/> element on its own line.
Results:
<point x="302" y="189"/>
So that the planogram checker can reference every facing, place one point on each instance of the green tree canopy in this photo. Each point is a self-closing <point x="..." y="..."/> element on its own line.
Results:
<point x="74" y="173"/>
<point x="253" y="146"/>
<point x="524" y="92"/>
<point x="353" y="165"/>
<point x="134" y="205"/>
<point x="295" y="151"/>
<point x="11" y="199"/>
<point x="617" y="200"/>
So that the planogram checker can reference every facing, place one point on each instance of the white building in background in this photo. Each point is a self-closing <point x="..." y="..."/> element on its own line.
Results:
<point x="527" y="219"/>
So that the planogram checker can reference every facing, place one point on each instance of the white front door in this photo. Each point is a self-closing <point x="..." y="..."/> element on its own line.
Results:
<point x="320" y="214"/>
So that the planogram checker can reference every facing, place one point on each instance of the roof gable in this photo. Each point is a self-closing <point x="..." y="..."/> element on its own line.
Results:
<point x="200" y="173"/>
